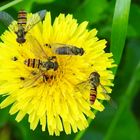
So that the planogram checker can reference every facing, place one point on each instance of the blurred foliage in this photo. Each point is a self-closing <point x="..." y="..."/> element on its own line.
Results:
<point x="99" y="13"/>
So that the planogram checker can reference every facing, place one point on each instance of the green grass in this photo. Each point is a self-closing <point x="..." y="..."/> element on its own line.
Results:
<point x="119" y="29"/>
<point x="9" y="4"/>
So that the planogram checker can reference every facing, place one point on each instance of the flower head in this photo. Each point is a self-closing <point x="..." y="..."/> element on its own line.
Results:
<point x="51" y="97"/>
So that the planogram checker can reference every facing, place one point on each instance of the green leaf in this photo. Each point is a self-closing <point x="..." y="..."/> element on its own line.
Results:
<point x="119" y="29"/>
<point x="9" y="4"/>
<point x="134" y="30"/>
<point x="44" y="1"/>
<point x="91" y="10"/>
<point x="27" y="5"/>
<point x="126" y="124"/>
<point x="5" y="18"/>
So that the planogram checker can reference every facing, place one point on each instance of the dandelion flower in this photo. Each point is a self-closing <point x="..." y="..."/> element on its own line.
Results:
<point x="54" y="103"/>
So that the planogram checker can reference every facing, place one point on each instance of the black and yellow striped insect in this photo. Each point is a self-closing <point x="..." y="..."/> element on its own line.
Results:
<point x="93" y="82"/>
<point x="22" y="21"/>
<point x="43" y="66"/>
<point x="24" y="24"/>
<point x="41" y="61"/>
<point x="50" y="63"/>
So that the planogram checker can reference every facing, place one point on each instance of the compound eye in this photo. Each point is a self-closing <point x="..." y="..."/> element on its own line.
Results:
<point x="20" y="40"/>
<point x="82" y="52"/>
<point x="55" y="66"/>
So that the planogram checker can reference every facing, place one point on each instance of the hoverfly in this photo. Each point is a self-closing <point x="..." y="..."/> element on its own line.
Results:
<point x="93" y="82"/>
<point x="42" y="61"/>
<point x="50" y="63"/>
<point x="23" y="25"/>
<point x="65" y="49"/>
<point x="43" y="66"/>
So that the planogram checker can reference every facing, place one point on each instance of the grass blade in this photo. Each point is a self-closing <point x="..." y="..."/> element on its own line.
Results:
<point x="119" y="29"/>
<point x="9" y="4"/>
<point x="5" y="18"/>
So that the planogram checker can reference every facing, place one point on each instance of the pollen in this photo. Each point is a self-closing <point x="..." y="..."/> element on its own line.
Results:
<point x="48" y="76"/>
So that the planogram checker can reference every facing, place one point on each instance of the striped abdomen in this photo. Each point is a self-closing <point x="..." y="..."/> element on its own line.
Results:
<point x="93" y="94"/>
<point x="22" y="18"/>
<point x="34" y="63"/>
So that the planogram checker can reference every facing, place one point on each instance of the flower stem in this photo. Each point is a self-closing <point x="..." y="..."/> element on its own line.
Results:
<point x="9" y="4"/>
<point x="126" y="99"/>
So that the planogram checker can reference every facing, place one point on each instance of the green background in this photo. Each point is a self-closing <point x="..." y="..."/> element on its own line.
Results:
<point x="110" y="17"/>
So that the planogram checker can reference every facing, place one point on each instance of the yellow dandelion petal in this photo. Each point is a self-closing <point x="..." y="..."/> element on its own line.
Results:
<point x="57" y="77"/>
<point x="43" y="122"/>
<point x="98" y="106"/>
<point x="20" y="115"/>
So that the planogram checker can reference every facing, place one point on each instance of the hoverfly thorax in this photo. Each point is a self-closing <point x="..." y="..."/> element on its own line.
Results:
<point x="95" y="79"/>
<point x="82" y="51"/>
<point x="50" y="65"/>
<point x="20" y="36"/>
<point x="77" y="51"/>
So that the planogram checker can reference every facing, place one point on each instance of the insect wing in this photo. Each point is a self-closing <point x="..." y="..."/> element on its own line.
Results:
<point x="54" y="46"/>
<point x="34" y="19"/>
<point x="111" y="101"/>
<point x="83" y="86"/>
<point x="103" y="88"/>
<point x="37" y="49"/>
<point x="42" y="14"/>
<point x="104" y="92"/>
<point x="13" y="26"/>
<point x="31" y="81"/>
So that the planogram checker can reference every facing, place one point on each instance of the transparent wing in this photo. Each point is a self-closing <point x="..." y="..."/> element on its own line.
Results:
<point x="37" y="49"/>
<point x="42" y="14"/>
<point x="85" y="85"/>
<point x="32" y="21"/>
<point x="54" y="46"/>
<point x="103" y="88"/>
<point x="111" y="101"/>
<point x="13" y="26"/>
<point x="105" y="93"/>
<point x="31" y="81"/>
<point x="113" y="104"/>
